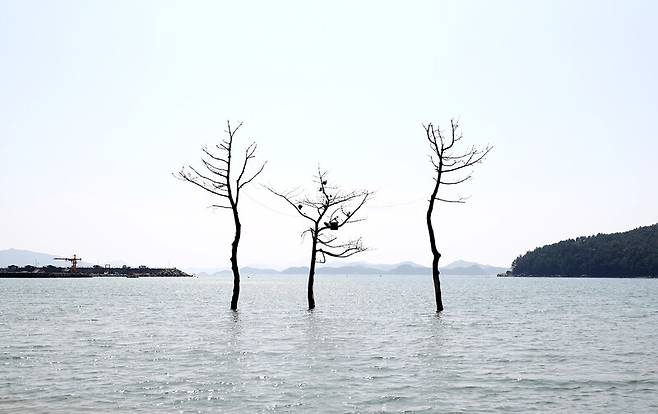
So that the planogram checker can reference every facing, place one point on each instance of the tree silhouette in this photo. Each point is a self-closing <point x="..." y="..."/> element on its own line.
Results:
<point x="329" y="211"/>
<point x="452" y="168"/>
<point x="217" y="180"/>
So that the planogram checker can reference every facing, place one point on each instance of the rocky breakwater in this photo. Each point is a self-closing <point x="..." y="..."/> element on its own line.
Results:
<point x="87" y="272"/>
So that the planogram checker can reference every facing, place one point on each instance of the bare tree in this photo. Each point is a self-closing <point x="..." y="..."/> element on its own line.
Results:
<point x="327" y="212"/>
<point x="452" y="167"/>
<point x="216" y="177"/>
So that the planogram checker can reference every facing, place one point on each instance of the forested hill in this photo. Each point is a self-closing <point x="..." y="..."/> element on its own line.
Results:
<point x="630" y="254"/>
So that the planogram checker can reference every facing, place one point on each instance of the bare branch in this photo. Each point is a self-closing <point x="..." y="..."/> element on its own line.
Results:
<point x="436" y="167"/>
<point x="222" y="172"/>
<point x="331" y="240"/>
<point x="260" y="170"/>
<point x="323" y="186"/>
<point x="460" y="201"/>
<point x="195" y="180"/>
<point x="310" y="231"/>
<point x="454" y="135"/>
<point x="458" y="181"/>
<point x="248" y="154"/>
<point x="431" y="137"/>
<point x="218" y="184"/>
<point x="286" y="197"/>
<point x="349" y="249"/>
<point x="214" y="157"/>
<point x="232" y="133"/>
<point x="475" y="158"/>
<point x="352" y="212"/>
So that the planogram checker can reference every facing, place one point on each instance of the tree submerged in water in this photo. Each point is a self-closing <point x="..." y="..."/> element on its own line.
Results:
<point x="452" y="167"/>
<point x="217" y="180"/>
<point x="329" y="211"/>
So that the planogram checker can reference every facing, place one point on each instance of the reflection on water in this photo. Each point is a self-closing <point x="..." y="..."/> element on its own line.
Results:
<point x="373" y="345"/>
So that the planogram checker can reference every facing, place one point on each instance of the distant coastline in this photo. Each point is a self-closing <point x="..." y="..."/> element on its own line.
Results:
<point x="53" y="272"/>
<point x="459" y="268"/>
<point x="510" y="274"/>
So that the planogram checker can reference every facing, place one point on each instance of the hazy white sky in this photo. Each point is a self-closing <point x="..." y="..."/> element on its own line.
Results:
<point x="101" y="101"/>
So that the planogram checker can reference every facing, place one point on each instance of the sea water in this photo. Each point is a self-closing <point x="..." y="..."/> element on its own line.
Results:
<point x="373" y="344"/>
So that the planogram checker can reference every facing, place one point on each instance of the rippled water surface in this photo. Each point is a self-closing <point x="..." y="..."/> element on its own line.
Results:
<point x="372" y="345"/>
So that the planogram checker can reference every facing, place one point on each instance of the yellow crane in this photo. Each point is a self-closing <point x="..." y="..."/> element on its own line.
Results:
<point x="74" y="262"/>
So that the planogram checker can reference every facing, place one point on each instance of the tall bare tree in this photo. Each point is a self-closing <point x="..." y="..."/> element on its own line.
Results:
<point x="329" y="211"/>
<point x="452" y="167"/>
<point x="217" y="176"/>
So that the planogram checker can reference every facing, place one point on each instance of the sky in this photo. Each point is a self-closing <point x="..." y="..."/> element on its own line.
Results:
<point x="100" y="102"/>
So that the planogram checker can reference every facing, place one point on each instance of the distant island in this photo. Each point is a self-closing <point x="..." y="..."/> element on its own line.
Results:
<point x="629" y="254"/>
<point x="458" y="268"/>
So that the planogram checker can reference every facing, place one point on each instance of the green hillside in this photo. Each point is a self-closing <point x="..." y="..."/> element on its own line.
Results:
<point x="629" y="254"/>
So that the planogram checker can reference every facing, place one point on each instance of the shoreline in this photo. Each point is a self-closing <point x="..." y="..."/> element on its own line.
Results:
<point x="82" y="276"/>
<point x="575" y="276"/>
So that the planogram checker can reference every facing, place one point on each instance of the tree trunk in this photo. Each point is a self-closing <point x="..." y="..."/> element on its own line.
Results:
<point x="311" y="272"/>
<point x="437" y="283"/>
<point x="234" y="260"/>
<point x="435" y="252"/>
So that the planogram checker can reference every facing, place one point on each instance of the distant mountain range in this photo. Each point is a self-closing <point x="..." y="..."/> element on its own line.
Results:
<point x="460" y="267"/>
<point x="25" y="257"/>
